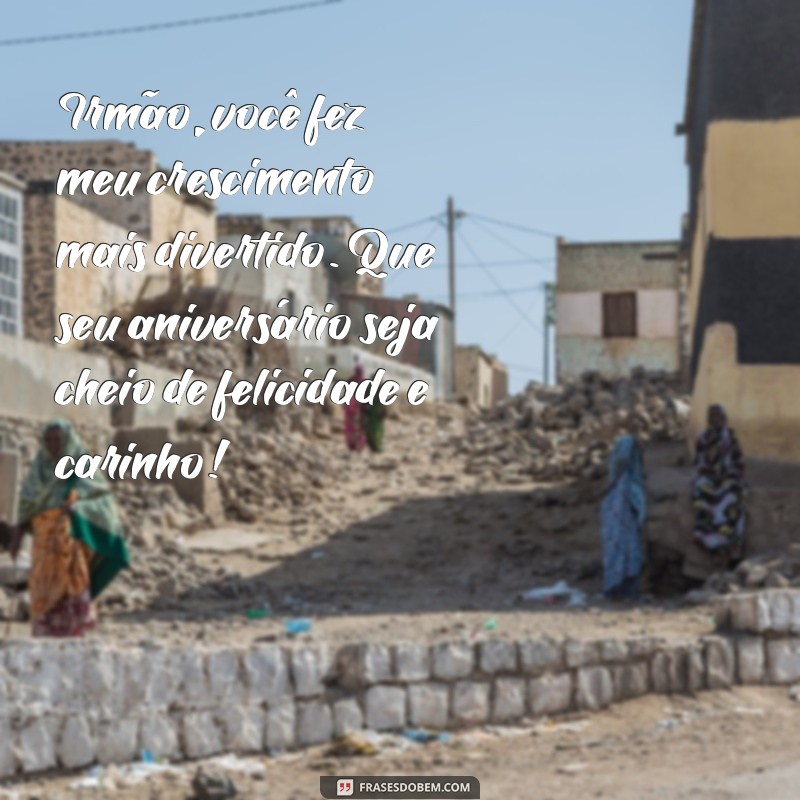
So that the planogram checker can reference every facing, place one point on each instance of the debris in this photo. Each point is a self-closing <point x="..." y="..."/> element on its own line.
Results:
<point x="490" y="624"/>
<point x="294" y="627"/>
<point x="208" y="785"/>
<point x="558" y="593"/>
<point x="573" y="769"/>
<point x="352" y="744"/>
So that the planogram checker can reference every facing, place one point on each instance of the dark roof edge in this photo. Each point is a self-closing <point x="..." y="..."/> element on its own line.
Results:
<point x="694" y="59"/>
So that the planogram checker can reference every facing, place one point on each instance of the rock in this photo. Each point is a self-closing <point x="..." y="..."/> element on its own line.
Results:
<point x="498" y="655"/>
<point x="385" y="708"/>
<point x="750" y="658"/>
<point x="201" y="737"/>
<point x="594" y="688"/>
<point x="783" y="661"/>
<point x="157" y="735"/>
<point x="117" y="741"/>
<point x="314" y="723"/>
<point x="35" y="750"/>
<point x="412" y="662"/>
<point x="310" y="668"/>
<point x="510" y="699"/>
<point x="470" y="702"/>
<point x="243" y="728"/>
<point x="266" y="673"/>
<point x="76" y="746"/>
<point x="347" y="716"/>
<point x="207" y="785"/>
<point x="429" y="705"/>
<point x="550" y="694"/>
<point x="280" y="726"/>
<point x="7" y="759"/>
<point x="668" y="669"/>
<point x="630" y="680"/>
<point x="364" y="664"/>
<point x="453" y="660"/>
<point x="720" y="663"/>
<point x="541" y="655"/>
<point x="581" y="654"/>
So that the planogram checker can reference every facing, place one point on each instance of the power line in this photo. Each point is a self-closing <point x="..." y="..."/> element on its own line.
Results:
<point x="517" y="289"/>
<point x="510" y="297"/>
<point x="432" y="218"/>
<point x="515" y="226"/>
<point x="156" y="26"/>
<point x="512" y="330"/>
<point x="502" y="239"/>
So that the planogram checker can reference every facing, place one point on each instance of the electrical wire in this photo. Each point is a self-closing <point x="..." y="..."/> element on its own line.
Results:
<point x="523" y="314"/>
<point x="433" y="217"/>
<point x="515" y="226"/>
<point x="501" y="239"/>
<point x="156" y="26"/>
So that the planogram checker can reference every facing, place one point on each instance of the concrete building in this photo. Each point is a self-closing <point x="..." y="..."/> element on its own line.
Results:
<point x="11" y="254"/>
<point x="155" y="218"/>
<point x="480" y="378"/>
<point x="434" y="357"/>
<point x="618" y="307"/>
<point x="47" y="292"/>
<point x="333" y="233"/>
<point x="742" y="124"/>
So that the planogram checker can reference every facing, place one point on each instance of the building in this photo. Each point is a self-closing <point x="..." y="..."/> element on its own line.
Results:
<point x="742" y="127"/>
<point x="434" y="357"/>
<point x="334" y="233"/>
<point x="155" y="218"/>
<point x="618" y="307"/>
<point x="11" y="254"/>
<point x="480" y="378"/>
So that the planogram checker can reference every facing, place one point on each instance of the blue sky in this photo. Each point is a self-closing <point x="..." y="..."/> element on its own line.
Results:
<point x="553" y="114"/>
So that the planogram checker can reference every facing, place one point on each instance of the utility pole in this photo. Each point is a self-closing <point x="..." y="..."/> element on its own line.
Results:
<point x="549" y="321"/>
<point x="451" y="271"/>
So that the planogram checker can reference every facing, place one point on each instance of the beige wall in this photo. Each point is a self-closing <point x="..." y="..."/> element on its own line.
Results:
<point x="579" y="314"/>
<point x="474" y="376"/>
<point x="761" y="400"/>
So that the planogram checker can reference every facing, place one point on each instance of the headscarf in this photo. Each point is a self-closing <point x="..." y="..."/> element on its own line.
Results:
<point x="718" y="454"/>
<point x="625" y="461"/>
<point x="94" y="515"/>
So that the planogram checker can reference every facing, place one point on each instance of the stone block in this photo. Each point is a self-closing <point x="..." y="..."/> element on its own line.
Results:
<point x="429" y="705"/>
<point x="364" y="664"/>
<point x="750" y="660"/>
<point x="453" y="660"/>
<point x="148" y="680"/>
<point x="280" y="733"/>
<point x="201" y="736"/>
<point x="498" y="655"/>
<point x="193" y="690"/>
<point x="225" y="679"/>
<point x="470" y="702"/>
<point x="103" y="682"/>
<point x="783" y="661"/>
<point x="630" y="680"/>
<point x="311" y="666"/>
<point x="347" y="716"/>
<point x="550" y="694"/>
<point x="158" y="735"/>
<point x="267" y="674"/>
<point x="510" y="699"/>
<point x="594" y="688"/>
<point x="36" y="744"/>
<point x="748" y="612"/>
<point x="613" y="651"/>
<point x="412" y="662"/>
<point x="76" y="746"/>
<point x="7" y="760"/>
<point x="385" y="707"/>
<point x="644" y="646"/>
<point x="581" y="654"/>
<point x="695" y="670"/>
<point x="243" y="728"/>
<point x="669" y="671"/>
<point x="720" y="663"/>
<point x="314" y="723"/>
<point x="117" y="741"/>
<point x="541" y="655"/>
<point x="781" y="612"/>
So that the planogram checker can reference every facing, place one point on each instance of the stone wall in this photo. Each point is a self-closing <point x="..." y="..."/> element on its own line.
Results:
<point x="72" y="703"/>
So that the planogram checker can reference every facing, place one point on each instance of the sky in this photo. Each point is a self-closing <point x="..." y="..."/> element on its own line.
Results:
<point x="555" y="115"/>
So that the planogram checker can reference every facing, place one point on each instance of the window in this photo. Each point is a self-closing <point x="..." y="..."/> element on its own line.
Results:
<point x="619" y="314"/>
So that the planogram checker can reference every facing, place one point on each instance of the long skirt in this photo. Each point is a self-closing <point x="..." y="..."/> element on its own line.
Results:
<point x="354" y="435"/>
<point x="59" y="585"/>
<point x="623" y="556"/>
<point x="719" y="514"/>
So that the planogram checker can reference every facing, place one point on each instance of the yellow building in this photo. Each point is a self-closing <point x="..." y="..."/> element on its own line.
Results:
<point x="742" y="125"/>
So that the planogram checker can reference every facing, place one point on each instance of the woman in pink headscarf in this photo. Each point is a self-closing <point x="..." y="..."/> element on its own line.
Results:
<point x="354" y="434"/>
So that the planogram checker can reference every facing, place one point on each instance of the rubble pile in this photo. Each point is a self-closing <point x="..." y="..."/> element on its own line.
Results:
<point x="555" y="432"/>
<point x="269" y="469"/>
<point x="766" y="571"/>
